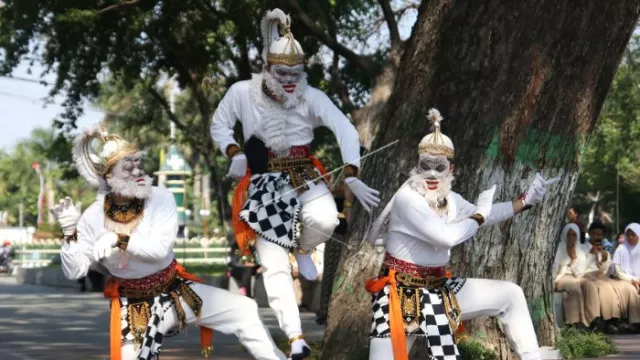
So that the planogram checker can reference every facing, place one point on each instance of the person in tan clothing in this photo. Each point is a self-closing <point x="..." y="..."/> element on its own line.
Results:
<point x="610" y="293"/>
<point x="626" y="269"/>
<point x="568" y="267"/>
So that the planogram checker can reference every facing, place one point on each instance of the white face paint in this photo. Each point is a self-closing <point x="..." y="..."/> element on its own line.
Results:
<point x="288" y="76"/>
<point x="434" y="169"/>
<point x="286" y="82"/>
<point x="432" y="178"/>
<point x="129" y="179"/>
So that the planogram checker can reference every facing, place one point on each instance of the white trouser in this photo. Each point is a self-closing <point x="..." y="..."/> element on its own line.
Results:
<point x="319" y="217"/>
<point x="481" y="297"/>
<point x="225" y="312"/>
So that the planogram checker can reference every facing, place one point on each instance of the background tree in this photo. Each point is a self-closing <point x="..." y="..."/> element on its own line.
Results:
<point x="19" y="182"/>
<point x="616" y="142"/>
<point x="520" y="86"/>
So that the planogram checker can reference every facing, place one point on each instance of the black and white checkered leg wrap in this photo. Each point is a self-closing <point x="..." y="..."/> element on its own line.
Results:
<point x="270" y="211"/>
<point x="152" y="342"/>
<point x="434" y="323"/>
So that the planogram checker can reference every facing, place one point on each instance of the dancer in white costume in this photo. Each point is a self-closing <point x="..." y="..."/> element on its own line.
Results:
<point x="412" y="297"/>
<point x="129" y="232"/>
<point x="277" y="203"/>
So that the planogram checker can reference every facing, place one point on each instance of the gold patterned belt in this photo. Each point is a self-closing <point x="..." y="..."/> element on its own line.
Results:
<point x="149" y="286"/>
<point x="408" y="287"/>
<point x="300" y="170"/>
<point x="415" y="281"/>
<point x="141" y="292"/>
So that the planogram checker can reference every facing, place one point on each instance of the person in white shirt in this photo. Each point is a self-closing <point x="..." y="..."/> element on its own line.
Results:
<point x="129" y="232"/>
<point x="610" y="291"/>
<point x="412" y="297"/>
<point x="282" y="202"/>
<point x="581" y="299"/>
<point x="626" y="267"/>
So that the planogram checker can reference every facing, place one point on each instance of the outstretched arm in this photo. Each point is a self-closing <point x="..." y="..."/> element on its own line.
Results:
<point x="411" y="215"/>
<point x="499" y="211"/>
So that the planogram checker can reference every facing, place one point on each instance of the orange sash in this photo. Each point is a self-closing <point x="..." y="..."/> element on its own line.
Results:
<point x="115" y="328"/>
<point x="396" y="325"/>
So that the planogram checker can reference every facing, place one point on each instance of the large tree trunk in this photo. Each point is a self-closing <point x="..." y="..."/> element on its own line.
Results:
<point x="520" y="85"/>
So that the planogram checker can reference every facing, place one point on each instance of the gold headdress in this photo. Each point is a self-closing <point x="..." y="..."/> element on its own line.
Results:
<point x="436" y="143"/>
<point x="96" y="151"/>
<point x="285" y="49"/>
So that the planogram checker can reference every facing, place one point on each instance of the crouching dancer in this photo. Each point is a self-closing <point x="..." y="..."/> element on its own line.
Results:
<point x="412" y="296"/>
<point x="130" y="231"/>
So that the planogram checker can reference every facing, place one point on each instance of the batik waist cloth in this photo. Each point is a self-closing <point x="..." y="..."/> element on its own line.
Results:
<point x="428" y="306"/>
<point x="272" y="209"/>
<point x="144" y="303"/>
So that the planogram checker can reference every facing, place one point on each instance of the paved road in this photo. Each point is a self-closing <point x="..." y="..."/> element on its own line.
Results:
<point x="39" y="322"/>
<point x="627" y="345"/>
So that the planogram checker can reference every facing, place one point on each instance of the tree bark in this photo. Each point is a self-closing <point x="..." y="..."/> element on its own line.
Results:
<point x="520" y="85"/>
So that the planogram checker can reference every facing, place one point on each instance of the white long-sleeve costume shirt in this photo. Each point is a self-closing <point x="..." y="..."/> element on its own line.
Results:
<point x="150" y="246"/>
<point x="417" y="234"/>
<point x="246" y="102"/>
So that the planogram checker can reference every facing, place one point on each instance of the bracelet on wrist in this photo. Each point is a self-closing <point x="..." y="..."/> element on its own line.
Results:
<point x="350" y="171"/>
<point x="233" y="150"/>
<point x="123" y="242"/>
<point x="522" y="198"/>
<point x="70" y="238"/>
<point x="478" y="218"/>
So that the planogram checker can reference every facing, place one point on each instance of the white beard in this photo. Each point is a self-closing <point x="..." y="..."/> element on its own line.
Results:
<point x="130" y="189"/>
<point x="291" y="99"/>
<point x="435" y="198"/>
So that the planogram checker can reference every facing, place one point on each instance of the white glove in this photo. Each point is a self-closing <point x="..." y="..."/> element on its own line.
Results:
<point x="367" y="196"/>
<point x="103" y="247"/>
<point x="67" y="215"/>
<point x="238" y="167"/>
<point x="537" y="190"/>
<point x="485" y="202"/>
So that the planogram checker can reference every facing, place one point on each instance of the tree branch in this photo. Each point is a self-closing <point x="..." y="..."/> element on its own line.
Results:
<point x="390" y="17"/>
<point x="363" y="62"/>
<point x="167" y="109"/>
<point x="117" y="6"/>
<point x="341" y="89"/>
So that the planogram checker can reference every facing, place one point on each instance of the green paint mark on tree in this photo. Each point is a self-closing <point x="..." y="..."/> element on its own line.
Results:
<point x="337" y="283"/>
<point x="536" y="146"/>
<point x="537" y="309"/>
<point x="480" y="334"/>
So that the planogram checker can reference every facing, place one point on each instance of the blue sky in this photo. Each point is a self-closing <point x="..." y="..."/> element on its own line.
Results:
<point x="23" y="106"/>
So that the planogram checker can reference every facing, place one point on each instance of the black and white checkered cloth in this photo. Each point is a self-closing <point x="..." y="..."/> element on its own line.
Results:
<point x="433" y="322"/>
<point x="152" y="343"/>
<point x="270" y="211"/>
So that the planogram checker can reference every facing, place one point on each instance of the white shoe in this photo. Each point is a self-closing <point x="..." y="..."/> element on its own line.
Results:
<point x="306" y="267"/>
<point x="299" y="350"/>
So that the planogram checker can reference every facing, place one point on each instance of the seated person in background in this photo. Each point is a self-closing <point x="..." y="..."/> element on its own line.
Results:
<point x="595" y="272"/>
<point x="580" y="307"/>
<point x="626" y="268"/>
<point x="596" y="234"/>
